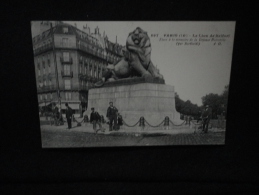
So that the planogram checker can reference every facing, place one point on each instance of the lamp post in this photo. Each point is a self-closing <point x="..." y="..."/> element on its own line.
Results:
<point x="60" y="111"/>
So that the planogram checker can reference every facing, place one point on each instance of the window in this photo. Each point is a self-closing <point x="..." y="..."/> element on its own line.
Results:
<point x="65" y="30"/>
<point x="49" y="59"/>
<point x="67" y="84"/>
<point x="46" y="96"/>
<point x="45" y="82"/>
<point x="44" y="72"/>
<point x="50" y="83"/>
<point x="65" y="42"/>
<point x="40" y="97"/>
<point x="82" y="83"/>
<point x="68" y="95"/>
<point x="39" y="69"/>
<point x="66" y="56"/>
<point x="66" y="69"/>
<point x="51" y="96"/>
<point x="90" y="71"/>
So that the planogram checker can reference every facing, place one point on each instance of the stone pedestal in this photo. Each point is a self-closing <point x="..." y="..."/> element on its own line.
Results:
<point x="151" y="100"/>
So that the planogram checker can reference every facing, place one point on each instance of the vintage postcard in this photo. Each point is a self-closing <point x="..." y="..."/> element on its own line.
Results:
<point x="141" y="83"/>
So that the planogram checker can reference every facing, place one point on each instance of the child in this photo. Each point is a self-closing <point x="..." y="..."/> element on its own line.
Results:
<point x="95" y="118"/>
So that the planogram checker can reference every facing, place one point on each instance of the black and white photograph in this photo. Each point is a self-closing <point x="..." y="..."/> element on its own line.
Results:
<point x="132" y="83"/>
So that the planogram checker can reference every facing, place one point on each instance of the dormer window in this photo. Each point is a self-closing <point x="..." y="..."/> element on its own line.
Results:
<point x="65" y="30"/>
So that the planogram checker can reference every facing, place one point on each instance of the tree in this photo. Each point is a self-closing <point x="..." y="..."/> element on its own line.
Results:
<point x="215" y="100"/>
<point x="186" y="107"/>
<point x="224" y="96"/>
<point x="178" y="103"/>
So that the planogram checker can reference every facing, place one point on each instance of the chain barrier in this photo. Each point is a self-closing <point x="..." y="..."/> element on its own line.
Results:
<point x="175" y="124"/>
<point x="76" y="120"/>
<point x="129" y="125"/>
<point x="155" y="125"/>
<point x="141" y="122"/>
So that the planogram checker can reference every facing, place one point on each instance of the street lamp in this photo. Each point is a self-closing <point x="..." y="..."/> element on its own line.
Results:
<point x="60" y="111"/>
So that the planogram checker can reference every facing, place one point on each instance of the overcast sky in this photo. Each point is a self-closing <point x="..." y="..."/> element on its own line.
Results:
<point x="193" y="70"/>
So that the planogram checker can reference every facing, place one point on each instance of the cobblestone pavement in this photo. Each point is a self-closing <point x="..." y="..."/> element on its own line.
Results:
<point x="74" y="138"/>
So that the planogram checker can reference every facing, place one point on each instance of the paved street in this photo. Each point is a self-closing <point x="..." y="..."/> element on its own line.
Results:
<point x="84" y="136"/>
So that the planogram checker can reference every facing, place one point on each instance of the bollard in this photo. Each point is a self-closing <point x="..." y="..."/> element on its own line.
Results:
<point x="166" y="123"/>
<point x="86" y="119"/>
<point x="142" y="122"/>
<point x="102" y="119"/>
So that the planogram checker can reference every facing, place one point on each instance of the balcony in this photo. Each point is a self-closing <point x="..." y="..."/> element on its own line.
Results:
<point x="43" y="49"/>
<point x="48" y="88"/>
<point x="67" y="74"/>
<point x="91" y="51"/>
<point x="69" y="61"/>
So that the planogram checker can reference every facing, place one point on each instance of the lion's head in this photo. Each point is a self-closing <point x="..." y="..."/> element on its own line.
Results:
<point x="139" y="42"/>
<point x="138" y="38"/>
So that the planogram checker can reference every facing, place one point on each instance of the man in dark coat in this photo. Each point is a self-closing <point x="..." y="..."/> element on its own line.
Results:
<point x="206" y="116"/>
<point x="69" y="113"/>
<point x="112" y="116"/>
<point x="95" y="118"/>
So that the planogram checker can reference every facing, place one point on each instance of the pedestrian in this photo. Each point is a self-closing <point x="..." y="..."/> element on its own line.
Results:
<point x="221" y="116"/>
<point x="120" y="123"/>
<point x="95" y="118"/>
<point x="185" y="119"/>
<point x="69" y="113"/>
<point x="206" y="116"/>
<point x="56" y="114"/>
<point x="188" y="120"/>
<point x="112" y="116"/>
<point x="85" y="117"/>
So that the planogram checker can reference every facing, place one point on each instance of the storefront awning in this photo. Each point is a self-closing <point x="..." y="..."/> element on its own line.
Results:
<point x="43" y="104"/>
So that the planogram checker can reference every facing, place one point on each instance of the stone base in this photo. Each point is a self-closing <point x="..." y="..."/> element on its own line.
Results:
<point x="151" y="100"/>
<point x="134" y="80"/>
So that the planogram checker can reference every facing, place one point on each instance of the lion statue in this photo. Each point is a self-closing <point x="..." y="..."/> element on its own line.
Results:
<point x="136" y="60"/>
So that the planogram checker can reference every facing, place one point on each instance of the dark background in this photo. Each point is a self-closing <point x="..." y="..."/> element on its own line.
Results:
<point x="26" y="168"/>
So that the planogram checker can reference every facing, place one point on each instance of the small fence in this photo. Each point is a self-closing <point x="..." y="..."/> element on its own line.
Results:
<point x="142" y="123"/>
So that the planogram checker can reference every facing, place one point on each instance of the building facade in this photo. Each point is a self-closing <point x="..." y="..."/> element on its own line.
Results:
<point x="80" y="60"/>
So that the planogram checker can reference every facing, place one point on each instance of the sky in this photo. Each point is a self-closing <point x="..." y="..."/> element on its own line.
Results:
<point x="193" y="70"/>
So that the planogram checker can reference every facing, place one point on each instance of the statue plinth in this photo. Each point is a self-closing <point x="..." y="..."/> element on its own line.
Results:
<point x="134" y="80"/>
<point x="153" y="101"/>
